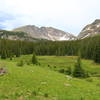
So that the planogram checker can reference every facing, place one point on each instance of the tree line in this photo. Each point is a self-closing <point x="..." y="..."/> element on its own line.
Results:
<point x="89" y="48"/>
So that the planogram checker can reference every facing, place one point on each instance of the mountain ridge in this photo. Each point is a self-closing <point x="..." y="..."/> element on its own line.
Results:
<point x="90" y="30"/>
<point x="33" y="33"/>
<point x="48" y="33"/>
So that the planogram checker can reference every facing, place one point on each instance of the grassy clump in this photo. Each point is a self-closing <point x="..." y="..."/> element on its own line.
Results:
<point x="20" y="63"/>
<point x="46" y="95"/>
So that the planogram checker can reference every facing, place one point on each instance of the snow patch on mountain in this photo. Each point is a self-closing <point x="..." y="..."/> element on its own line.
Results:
<point x="48" y="33"/>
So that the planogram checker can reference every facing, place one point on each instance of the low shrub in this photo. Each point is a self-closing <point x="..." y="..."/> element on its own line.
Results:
<point x="61" y="70"/>
<point x="21" y="63"/>
<point x="34" y="93"/>
<point x="89" y="79"/>
<point x="46" y="95"/>
<point x="68" y="71"/>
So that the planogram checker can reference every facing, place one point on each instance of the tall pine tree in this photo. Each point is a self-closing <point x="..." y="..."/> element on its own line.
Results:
<point x="78" y="70"/>
<point x="97" y="54"/>
<point x="3" y="54"/>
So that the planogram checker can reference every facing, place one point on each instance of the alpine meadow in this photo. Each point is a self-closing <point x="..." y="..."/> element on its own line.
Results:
<point x="40" y="59"/>
<point x="66" y="70"/>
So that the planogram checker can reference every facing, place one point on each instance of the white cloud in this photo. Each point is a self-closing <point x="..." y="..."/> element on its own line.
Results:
<point x="68" y="15"/>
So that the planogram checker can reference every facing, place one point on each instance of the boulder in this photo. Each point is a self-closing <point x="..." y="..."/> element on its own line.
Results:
<point x="2" y="71"/>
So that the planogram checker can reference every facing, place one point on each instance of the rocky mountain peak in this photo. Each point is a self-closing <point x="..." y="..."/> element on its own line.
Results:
<point x="96" y="22"/>
<point x="90" y="29"/>
<point x="48" y="33"/>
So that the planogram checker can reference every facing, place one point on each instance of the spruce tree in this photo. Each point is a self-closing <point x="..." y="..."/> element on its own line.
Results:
<point x="34" y="59"/>
<point x="97" y="54"/>
<point x="78" y="70"/>
<point x="18" y="52"/>
<point x="3" y="54"/>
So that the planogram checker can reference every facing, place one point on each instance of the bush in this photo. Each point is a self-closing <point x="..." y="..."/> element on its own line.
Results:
<point x="89" y="79"/>
<point x="28" y="62"/>
<point x="61" y="70"/>
<point x="46" y="95"/>
<point x="34" y="59"/>
<point x="55" y="67"/>
<point x="68" y="71"/>
<point x="34" y="93"/>
<point x="21" y="63"/>
<point x="10" y="58"/>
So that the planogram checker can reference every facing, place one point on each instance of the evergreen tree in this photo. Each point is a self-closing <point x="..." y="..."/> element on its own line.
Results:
<point x="18" y="52"/>
<point x="3" y="54"/>
<point x="78" y="70"/>
<point x="97" y="54"/>
<point x="58" y="48"/>
<point x="34" y="59"/>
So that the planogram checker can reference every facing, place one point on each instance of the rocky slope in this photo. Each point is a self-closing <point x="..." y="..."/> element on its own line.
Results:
<point x="15" y="35"/>
<point x="33" y="33"/>
<point x="90" y="30"/>
<point x="48" y="33"/>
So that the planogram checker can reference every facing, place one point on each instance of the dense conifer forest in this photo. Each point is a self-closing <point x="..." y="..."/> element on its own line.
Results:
<point x="88" y="47"/>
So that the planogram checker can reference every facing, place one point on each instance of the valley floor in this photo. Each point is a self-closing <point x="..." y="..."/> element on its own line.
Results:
<point x="45" y="82"/>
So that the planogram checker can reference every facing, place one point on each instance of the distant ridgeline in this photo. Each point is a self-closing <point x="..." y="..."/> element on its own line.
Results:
<point x="6" y="34"/>
<point x="12" y="35"/>
<point x="88" y="47"/>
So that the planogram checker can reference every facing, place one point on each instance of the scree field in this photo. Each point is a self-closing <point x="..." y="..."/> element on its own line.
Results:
<point x="46" y="82"/>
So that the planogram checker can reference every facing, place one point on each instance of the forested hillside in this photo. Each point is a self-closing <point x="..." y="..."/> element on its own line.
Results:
<point x="89" y="48"/>
<point x="12" y="35"/>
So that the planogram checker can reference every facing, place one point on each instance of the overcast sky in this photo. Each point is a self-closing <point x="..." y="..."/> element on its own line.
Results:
<point x="68" y="15"/>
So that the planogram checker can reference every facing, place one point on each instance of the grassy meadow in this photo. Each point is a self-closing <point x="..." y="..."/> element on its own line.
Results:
<point x="45" y="82"/>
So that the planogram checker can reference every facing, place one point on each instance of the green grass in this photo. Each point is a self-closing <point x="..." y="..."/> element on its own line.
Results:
<point x="34" y="82"/>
